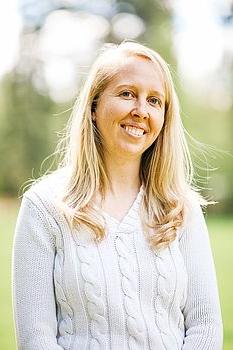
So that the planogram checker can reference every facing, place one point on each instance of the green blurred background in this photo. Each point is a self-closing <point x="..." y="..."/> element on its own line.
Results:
<point x="46" y="50"/>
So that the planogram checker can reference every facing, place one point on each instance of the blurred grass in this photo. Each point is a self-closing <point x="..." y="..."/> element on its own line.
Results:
<point x="8" y="212"/>
<point x="221" y="234"/>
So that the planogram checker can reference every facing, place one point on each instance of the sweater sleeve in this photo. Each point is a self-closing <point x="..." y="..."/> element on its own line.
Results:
<point x="202" y="314"/>
<point x="33" y="291"/>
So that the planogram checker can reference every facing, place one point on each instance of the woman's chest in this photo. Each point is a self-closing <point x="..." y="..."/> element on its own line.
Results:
<point x="120" y="273"/>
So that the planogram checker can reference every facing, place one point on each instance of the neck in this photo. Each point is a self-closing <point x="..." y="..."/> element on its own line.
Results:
<point x="123" y="175"/>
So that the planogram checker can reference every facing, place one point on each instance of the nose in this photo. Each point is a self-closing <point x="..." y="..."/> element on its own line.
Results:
<point x="140" y="110"/>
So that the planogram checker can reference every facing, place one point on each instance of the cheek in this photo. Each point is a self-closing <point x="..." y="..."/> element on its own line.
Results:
<point x="118" y="109"/>
<point x="111" y="114"/>
<point x="157" y="122"/>
<point x="105" y="121"/>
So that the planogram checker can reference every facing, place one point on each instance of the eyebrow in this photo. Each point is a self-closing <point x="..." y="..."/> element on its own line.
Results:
<point x="152" y="91"/>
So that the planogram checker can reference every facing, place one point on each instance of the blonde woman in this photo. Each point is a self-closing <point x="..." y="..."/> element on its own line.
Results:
<point x="111" y="251"/>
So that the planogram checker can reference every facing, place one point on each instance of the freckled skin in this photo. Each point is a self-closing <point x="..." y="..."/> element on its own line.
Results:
<point x="135" y="95"/>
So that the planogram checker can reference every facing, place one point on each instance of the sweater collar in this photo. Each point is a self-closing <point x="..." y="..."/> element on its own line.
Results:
<point x="130" y="221"/>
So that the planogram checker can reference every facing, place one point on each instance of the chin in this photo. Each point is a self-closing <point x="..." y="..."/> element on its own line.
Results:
<point x="132" y="151"/>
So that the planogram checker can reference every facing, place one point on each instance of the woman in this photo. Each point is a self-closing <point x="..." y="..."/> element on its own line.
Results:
<point x="111" y="251"/>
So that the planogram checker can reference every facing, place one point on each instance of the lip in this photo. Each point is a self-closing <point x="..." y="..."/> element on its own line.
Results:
<point x="134" y="125"/>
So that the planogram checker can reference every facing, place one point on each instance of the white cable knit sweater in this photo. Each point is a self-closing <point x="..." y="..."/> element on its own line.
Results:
<point x="72" y="293"/>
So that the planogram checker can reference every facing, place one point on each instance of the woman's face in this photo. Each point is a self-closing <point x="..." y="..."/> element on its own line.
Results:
<point x="130" y="111"/>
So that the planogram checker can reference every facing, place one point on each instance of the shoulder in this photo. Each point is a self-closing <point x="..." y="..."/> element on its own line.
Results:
<point x="194" y="207"/>
<point x="39" y="218"/>
<point x="46" y="191"/>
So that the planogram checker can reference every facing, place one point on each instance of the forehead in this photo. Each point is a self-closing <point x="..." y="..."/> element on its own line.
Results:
<point x="138" y="71"/>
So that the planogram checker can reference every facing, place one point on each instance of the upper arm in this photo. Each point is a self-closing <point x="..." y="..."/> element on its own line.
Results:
<point x="202" y="310"/>
<point x="33" y="290"/>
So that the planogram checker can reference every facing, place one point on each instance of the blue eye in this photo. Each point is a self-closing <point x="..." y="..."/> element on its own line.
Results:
<point x="126" y="94"/>
<point x="155" y="101"/>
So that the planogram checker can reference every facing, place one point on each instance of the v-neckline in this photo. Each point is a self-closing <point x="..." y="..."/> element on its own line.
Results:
<point x="130" y="210"/>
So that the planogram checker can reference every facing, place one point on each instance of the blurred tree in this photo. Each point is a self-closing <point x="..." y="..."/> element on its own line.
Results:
<point x="24" y="131"/>
<point x="27" y="128"/>
<point x="27" y="125"/>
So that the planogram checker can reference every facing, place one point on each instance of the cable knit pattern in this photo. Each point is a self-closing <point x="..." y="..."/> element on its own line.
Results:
<point x="134" y="319"/>
<point x="163" y="297"/>
<point x="72" y="293"/>
<point x="65" y="327"/>
<point x="95" y="305"/>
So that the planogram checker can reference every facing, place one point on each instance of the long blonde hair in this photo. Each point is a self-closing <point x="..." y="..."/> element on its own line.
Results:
<point x="166" y="169"/>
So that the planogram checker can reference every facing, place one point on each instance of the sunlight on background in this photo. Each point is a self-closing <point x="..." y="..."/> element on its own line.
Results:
<point x="199" y="38"/>
<point x="68" y="40"/>
<point x="202" y="42"/>
<point x="60" y="39"/>
<point x="10" y="26"/>
<point x="127" y="25"/>
<point x="47" y="47"/>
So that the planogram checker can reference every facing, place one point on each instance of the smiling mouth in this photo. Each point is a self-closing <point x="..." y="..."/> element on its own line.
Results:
<point x="133" y="131"/>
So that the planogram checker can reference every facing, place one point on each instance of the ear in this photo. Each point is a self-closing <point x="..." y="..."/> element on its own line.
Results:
<point x="93" y="116"/>
<point x="93" y="109"/>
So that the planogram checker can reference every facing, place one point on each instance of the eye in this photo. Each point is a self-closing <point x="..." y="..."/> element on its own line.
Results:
<point x="155" y="101"/>
<point x="127" y="94"/>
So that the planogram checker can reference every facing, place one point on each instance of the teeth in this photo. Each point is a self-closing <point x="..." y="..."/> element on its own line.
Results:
<point x="134" y="131"/>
